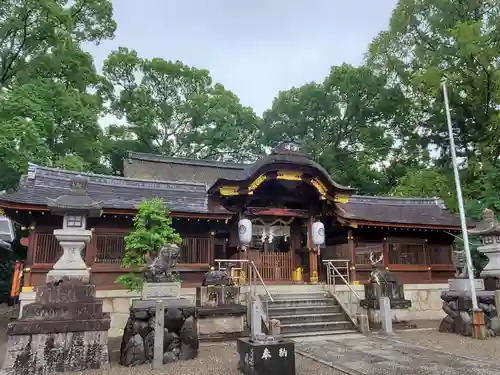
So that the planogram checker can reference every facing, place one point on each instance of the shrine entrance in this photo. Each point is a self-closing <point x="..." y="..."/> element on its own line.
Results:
<point x="282" y="195"/>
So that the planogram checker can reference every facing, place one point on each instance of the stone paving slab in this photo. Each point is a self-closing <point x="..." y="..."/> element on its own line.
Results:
<point x="376" y="355"/>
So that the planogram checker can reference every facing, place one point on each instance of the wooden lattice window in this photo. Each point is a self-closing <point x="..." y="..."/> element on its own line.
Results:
<point x="110" y="248"/>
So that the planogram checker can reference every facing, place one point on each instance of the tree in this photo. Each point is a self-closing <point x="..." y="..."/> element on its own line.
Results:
<point x="152" y="230"/>
<point x="176" y="110"/>
<point x="458" y="40"/>
<point x="48" y="111"/>
<point x="52" y="104"/>
<point x="343" y="123"/>
<point x="29" y="28"/>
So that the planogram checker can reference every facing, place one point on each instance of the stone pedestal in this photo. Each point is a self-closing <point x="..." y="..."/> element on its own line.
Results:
<point x="180" y="338"/>
<point x="266" y="358"/>
<point x="373" y="294"/>
<point x="463" y="285"/>
<point x="460" y="318"/>
<point x="71" y="264"/>
<point x="64" y="330"/>
<point x="221" y="314"/>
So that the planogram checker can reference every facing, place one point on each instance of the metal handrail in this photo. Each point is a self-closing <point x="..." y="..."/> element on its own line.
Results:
<point x="251" y="279"/>
<point x="331" y="281"/>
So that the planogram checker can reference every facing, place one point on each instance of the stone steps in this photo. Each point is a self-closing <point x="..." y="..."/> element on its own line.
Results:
<point x="308" y="314"/>
<point x="304" y="310"/>
<point x="316" y="318"/>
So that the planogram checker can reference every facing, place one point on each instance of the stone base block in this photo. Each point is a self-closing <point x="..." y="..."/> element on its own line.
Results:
<point x="491" y="283"/>
<point x="256" y="358"/>
<point x="54" y="275"/>
<point x="39" y="354"/>
<point x="395" y="304"/>
<point x="459" y="318"/>
<point x="217" y="325"/>
<point x="180" y="338"/>
<point x="65" y="292"/>
<point x="218" y="295"/>
<point x="463" y="285"/>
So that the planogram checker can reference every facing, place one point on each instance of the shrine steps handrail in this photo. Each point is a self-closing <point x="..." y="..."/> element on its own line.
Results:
<point x="332" y="273"/>
<point x="251" y="280"/>
<point x="254" y="297"/>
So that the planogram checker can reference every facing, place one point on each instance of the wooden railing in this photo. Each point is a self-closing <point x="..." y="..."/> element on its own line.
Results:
<point x="47" y="249"/>
<point x="273" y="266"/>
<point x="109" y="249"/>
<point x="364" y="249"/>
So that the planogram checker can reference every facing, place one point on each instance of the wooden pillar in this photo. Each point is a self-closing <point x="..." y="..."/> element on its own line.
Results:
<point x="313" y="265"/>
<point x="427" y="256"/>
<point x="313" y="255"/>
<point x="211" y="250"/>
<point x="385" y="252"/>
<point x="91" y="250"/>
<point x="352" y="254"/>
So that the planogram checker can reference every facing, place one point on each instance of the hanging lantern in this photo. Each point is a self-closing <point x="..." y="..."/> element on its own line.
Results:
<point x="245" y="231"/>
<point x="318" y="233"/>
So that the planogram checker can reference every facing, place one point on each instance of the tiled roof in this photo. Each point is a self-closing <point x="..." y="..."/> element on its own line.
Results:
<point x="398" y="210"/>
<point x="141" y="165"/>
<point x="191" y="197"/>
<point x="114" y="192"/>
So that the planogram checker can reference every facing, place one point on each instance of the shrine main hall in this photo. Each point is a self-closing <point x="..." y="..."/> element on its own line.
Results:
<point x="282" y="194"/>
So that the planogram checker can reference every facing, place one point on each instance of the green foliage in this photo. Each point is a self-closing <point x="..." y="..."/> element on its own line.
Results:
<point x="48" y="111"/>
<point x="152" y="230"/>
<point x="342" y="123"/>
<point x="173" y="109"/>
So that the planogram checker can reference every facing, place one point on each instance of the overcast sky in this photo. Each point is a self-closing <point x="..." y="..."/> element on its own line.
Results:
<point x="255" y="48"/>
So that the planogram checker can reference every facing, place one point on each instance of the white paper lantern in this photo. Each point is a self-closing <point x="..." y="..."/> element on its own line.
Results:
<point x="245" y="231"/>
<point x="318" y="233"/>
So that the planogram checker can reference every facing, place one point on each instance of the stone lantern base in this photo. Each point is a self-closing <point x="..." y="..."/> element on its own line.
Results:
<point x="70" y="264"/>
<point x="64" y="330"/>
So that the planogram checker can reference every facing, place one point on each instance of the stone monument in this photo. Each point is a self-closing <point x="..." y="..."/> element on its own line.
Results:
<point x="383" y="285"/>
<point x="162" y="326"/>
<point x="261" y="354"/>
<point x="65" y="329"/>
<point x="221" y="313"/>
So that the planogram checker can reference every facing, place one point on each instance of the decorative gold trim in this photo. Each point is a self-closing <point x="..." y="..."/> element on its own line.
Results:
<point x="228" y="190"/>
<point x="314" y="277"/>
<point x="341" y="198"/>
<point x="2" y="212"/>
<point x="289" y="176"/>
<point x="257" y="182"/>
<point x="319" y="187"/>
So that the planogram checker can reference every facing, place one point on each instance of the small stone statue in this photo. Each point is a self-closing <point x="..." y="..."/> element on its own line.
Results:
<point x="460" y="263"/>
<point x="217" y="277"/>
<point x="160" y="269"/>
<point x="378" y="274"/>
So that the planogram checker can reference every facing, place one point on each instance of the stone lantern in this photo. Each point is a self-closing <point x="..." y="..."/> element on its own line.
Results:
<point x="75" y="208"/>
<point x="489" y="231"/>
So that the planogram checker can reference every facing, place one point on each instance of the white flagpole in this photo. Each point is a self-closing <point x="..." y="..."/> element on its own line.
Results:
<point x="463" y="221"/>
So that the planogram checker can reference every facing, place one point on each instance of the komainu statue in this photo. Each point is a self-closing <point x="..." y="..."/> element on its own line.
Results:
<point x="160" y="269"/>
<point x="460" y="263"/>
<point x="218" y="277"/>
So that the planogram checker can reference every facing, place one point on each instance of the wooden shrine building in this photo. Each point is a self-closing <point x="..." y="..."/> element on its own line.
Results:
<point x="281" y="194"/>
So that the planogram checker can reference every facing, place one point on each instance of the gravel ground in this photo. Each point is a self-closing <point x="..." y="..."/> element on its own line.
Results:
<point x="488" y="350"/>
<point x="214" y="359"/>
